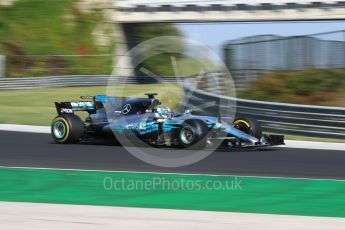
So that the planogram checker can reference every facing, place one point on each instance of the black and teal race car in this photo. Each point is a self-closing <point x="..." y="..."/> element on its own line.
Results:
<point x="145" y="119"/>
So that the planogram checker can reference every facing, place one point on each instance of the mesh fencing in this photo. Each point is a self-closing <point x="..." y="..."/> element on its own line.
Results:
<point x="251" y="57"/>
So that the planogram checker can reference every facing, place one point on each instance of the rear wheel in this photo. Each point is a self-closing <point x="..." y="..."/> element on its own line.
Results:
<point x="193" y="133"/>
<point x="67" y="129"/>
<point x="249" y="126"/>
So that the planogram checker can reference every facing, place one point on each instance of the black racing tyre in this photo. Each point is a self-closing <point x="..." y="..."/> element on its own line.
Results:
<point x="67" y="129"/>
<point x="193" y="133"/>
<point x="249" y="126"/>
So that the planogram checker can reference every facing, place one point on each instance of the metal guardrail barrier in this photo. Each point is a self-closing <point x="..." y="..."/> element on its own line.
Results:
<point x="293" y="119"/>
<point x="76" y="80"/>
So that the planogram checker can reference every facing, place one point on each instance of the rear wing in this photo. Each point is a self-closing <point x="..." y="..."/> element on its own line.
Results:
<point x="90" y="105"/>
<point x="71" y="107"/>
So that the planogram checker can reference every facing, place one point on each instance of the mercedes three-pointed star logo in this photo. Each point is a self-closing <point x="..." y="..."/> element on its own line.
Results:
<point x="126" y="108"/>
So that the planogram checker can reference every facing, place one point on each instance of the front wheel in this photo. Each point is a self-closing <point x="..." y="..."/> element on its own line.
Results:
<point x="67" y="129"/>
<point x="249" y="126"/>
<point x="193" y="133"/>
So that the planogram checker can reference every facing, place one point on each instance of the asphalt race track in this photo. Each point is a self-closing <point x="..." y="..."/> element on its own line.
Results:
<point x="38" y="150"/>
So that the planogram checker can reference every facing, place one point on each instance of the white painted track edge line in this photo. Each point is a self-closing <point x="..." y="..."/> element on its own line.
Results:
<point x="171" y="173"/>
<point x="25" y="128"/>
<point x="289" y="143"/>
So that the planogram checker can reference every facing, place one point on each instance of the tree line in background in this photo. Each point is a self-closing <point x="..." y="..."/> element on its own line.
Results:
<point x="311" y="87"/>
<point x="52" y="38"/>
<point x="41" y="38"/>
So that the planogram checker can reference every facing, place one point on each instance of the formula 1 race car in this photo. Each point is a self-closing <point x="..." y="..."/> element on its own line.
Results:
<point x="147" y="120"/>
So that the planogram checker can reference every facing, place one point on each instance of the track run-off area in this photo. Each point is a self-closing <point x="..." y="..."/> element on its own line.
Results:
<point x="277" y="180"/>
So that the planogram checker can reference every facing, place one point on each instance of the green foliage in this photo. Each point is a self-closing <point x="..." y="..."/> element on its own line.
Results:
<point x="159" y="64"/>
<point x="143" y="32"/>
<point x="31" y="30"/>
<point x="312" y="86"/>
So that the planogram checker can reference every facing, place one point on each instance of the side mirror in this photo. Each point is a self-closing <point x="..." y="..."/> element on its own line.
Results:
<point x="117" y="113"/>
<point x="188" y="111"/>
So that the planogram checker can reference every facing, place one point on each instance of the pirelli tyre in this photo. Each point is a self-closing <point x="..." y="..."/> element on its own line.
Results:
<point x="67" y="129"/>
<point x="249" y="126"/>
<point x="193" y="134"/>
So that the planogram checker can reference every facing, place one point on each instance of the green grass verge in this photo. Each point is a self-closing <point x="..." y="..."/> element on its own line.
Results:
<point x="305" y="138"/>
<point x="302" y="138"/>
<point x="36" y="107"/>
<point x="173" y="191"/>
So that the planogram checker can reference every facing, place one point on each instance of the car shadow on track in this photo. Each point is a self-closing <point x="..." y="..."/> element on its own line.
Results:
<point x="220" y="149"/>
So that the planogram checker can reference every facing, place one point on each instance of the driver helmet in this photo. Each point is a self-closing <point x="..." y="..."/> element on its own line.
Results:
<point x="163" y="111"/>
